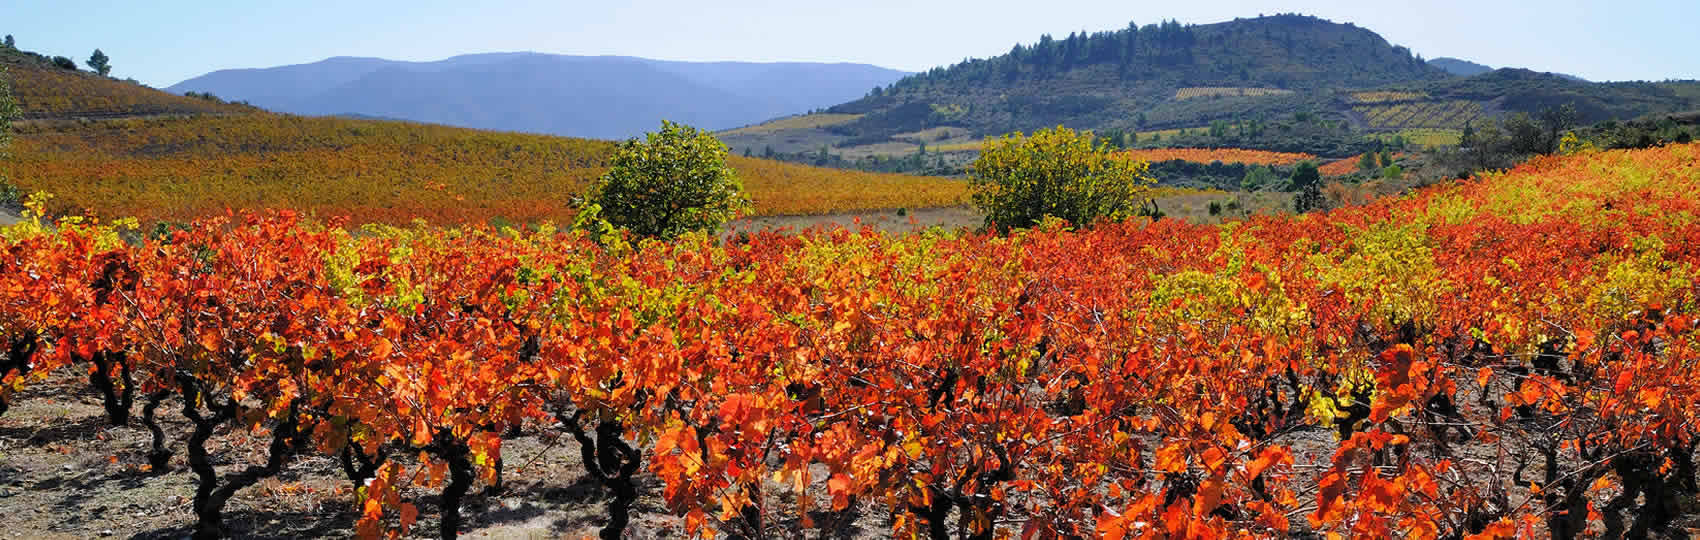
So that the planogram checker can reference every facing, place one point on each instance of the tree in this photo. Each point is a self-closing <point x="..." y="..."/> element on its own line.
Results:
<point x="1557" y="120"/>
<point x="1257" y="177"/>
<point x="1526" y="135"/>
<point x="1307" y="180"/>
<point x="100" y="63"/>
<point x="671" y="182"/>
<point x="1018" y="180"/>
<point x="10" y="43"/>
<point x="1367" y="162"/>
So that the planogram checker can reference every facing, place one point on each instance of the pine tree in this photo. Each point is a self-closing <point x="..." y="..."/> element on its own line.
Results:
<point x="100" y="63"/>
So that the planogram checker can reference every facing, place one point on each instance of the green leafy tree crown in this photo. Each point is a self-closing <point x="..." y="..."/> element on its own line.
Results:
<point x="668" y="183"/>
<point x="1018" y="180"/>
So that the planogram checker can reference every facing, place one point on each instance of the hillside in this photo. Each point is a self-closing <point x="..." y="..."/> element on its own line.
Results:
<point x="1317" y="86"/>
<point x="604" y="97"/>
<point x="47" y="91"/>
<point x="178" y="168"/>
<point x="1461" y="68"/>
<point x="1466" y="68"/>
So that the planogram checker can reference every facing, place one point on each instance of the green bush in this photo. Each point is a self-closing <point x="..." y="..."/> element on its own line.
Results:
<point x="669" y="183"/>
<point x="1018" y="181"/>
<point x="65" y="63"/>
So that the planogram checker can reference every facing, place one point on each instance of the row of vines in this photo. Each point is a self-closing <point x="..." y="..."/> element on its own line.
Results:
<point x="1513" y="356"/>
<point x="1423" y="114"/>
<point x="1210" y="155"/>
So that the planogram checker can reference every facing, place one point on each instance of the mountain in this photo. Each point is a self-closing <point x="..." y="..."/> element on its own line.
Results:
<point x="1467" y="68"/>
<point x="1286" y="82"/>
<point x="1462" y="68"/>
<point x="606" y="97"/>
<point x="1152" y="77"/>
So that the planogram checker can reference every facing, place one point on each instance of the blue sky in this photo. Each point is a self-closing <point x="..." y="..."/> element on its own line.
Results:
<point x="162" y="42"/>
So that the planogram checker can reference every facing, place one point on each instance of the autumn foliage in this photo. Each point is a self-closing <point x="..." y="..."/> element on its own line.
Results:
<point x="182" y="168"/>
<point x="1511" y="356"/>
<point x="1209" y="155"/>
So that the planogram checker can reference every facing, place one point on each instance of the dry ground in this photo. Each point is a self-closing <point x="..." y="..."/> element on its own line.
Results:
<point x="65" y="473"/>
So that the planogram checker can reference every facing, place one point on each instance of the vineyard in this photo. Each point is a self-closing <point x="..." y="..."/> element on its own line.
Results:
<point x="1340" y="167"/>
<point x="1421" y="114"/>
<point x="1431" y="137"/>
<point x="1210" y="155"/>
<point x="44" y="91"/>
<point x="177" y="169"/>
<point x="1383" y="97"/>
<point x="1511" y="356"/>
<point x="807" y="121"/>
<point x="1199" y="92"/>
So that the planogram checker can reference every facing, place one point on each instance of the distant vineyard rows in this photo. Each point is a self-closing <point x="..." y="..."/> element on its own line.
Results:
<point x="1204" y="91"/>
<point x="1428" y="114"/>
<point x="1224" y="155"/>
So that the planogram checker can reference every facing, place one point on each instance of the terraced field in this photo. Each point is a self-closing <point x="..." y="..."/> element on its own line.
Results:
<point x="1218" y="91"/>
<point x="1420" y="114"/>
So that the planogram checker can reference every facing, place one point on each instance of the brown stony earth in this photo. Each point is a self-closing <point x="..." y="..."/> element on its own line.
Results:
<point x="65" y="473"/>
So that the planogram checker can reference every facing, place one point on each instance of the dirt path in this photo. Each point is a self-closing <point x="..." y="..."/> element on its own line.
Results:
<point x="8" y="217"/>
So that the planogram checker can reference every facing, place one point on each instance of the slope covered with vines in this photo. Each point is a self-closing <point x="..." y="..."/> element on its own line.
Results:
<point x="181" y="168"/>
<point x="1510" y="356"/>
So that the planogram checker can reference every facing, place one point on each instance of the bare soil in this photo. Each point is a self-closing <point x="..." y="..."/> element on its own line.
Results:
<point x="66" y="473"/>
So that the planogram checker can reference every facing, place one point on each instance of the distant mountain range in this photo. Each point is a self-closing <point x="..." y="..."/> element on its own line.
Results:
<point x="1466" y="68"/>
<point x="608" y="97"/>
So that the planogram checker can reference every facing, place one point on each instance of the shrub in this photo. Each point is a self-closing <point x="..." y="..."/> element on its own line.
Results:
<point x="65" y="63"/>
<point x="671" y="182"/>
<point x="1019" y="180"/>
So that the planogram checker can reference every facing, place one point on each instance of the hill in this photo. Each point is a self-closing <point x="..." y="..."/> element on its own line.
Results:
<point x="48" y="91"/>
<point x="1467" y="68"/>
<point x="1295" y="83"/>
<point x="1138" y="78"/>
<point x="607" y="97"/>
<point x="179" y="168"/>
<point x="1462" y="68"/>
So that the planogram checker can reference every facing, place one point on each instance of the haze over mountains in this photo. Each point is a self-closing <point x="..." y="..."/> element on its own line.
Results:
<point x="608" y="97"/>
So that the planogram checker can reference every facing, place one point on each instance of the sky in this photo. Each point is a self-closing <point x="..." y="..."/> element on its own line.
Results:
<point x="162" y="42"/>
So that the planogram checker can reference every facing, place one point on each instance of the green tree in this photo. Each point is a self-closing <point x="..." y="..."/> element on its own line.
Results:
<point x="1018" y="180"/>
<point x="1557" y="120"/>
<point x="100" y="63"/>
<point x="669" y="183"/>
<point x="11" y="43"/>
<point x="1392" y="172"/>
<point x="1257" y="177"/>
<point x="1307" y="180"/>
<point x="1367" y="162"/>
